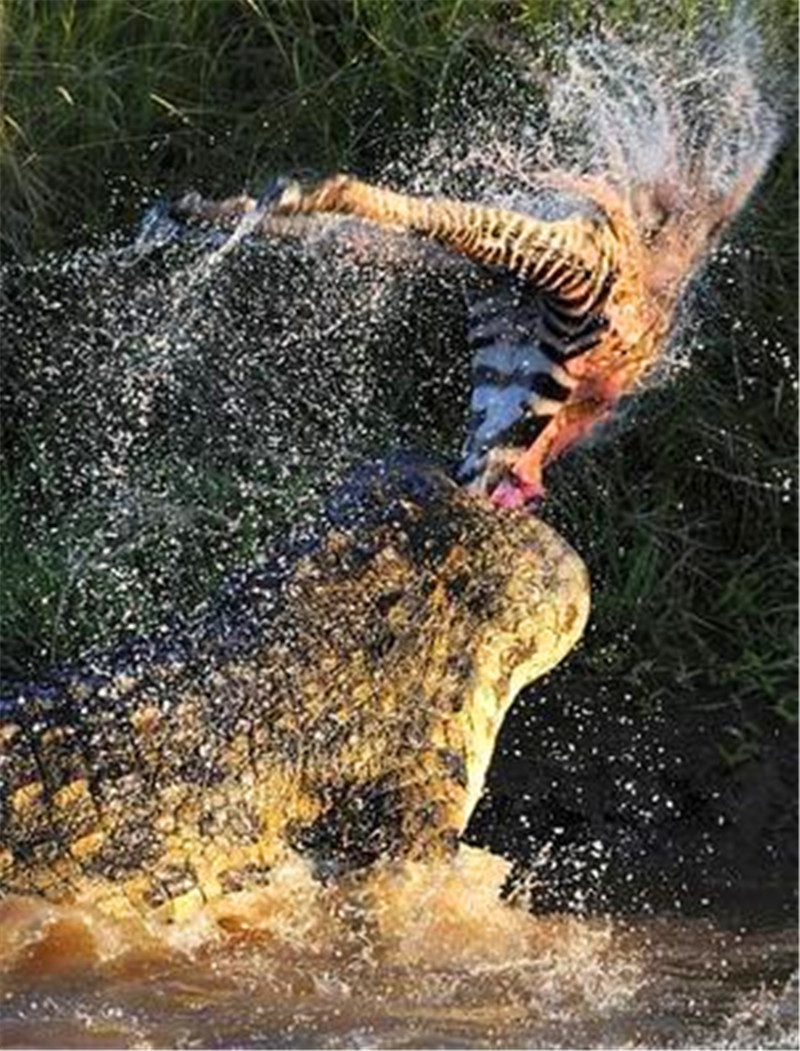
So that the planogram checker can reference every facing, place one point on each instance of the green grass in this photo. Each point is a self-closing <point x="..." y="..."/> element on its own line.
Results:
<point x="682" y="516"/>
<point x="92" y="90"/>
<point x="156" y="88"/>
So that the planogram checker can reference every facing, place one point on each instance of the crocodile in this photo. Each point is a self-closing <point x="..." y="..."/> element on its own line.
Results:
<point x="342" y="700"/>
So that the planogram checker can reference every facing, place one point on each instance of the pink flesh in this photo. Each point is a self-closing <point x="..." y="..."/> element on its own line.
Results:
<point x="524" y="487"/>
<point x="508" y="494"/>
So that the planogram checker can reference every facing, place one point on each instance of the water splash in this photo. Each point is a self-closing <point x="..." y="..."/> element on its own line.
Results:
<point x="421" y="956"/>
<point x="668" y="137"/>
<point x="701" y="116"/>
<point x="170" y="417"/>
<point x="199" y="402"/>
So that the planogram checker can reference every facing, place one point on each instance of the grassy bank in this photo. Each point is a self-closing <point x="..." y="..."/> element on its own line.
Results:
<point x="94" y="90"/>
<point x="686" y="518"/>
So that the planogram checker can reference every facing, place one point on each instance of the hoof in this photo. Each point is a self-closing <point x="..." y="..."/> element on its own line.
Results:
<point x="158" y="226"/>
<point x="273" y="192"/>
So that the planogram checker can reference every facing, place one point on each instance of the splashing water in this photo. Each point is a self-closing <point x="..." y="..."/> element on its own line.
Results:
<point x="691" y="116"/>
<point x="173" y="421"/>
<point x="195" y="408"/>
<point x="427" y="957"/>
<point x="668" y="139"/>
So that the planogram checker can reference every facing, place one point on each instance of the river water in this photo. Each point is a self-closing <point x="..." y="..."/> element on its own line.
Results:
<point x="427" y="957"/>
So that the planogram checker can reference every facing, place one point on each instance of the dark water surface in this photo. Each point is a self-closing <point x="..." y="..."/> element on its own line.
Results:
<point x="429" y="958"/>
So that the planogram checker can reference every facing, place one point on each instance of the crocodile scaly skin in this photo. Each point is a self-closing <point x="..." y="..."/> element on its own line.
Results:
<point x="343" y="703"/>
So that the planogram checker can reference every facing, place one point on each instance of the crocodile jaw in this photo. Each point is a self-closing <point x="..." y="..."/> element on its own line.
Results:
<point x="555" y="616"/>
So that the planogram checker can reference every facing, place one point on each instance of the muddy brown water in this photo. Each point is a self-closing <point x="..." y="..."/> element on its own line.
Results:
<point x="424" y="958"/>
